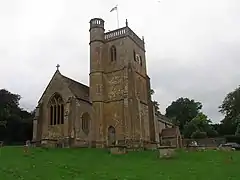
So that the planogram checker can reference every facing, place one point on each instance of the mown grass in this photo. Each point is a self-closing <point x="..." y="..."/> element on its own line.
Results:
<point x="97" y="164"/>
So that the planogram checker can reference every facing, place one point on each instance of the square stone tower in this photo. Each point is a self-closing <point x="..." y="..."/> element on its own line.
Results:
<point x="119" y="85"/>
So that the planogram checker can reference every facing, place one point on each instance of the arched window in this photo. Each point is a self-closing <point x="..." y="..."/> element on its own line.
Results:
<point x="113" y="53"/>
<point x="134" y="55"/>
<point x="111" y="135"/>
<point x="56" y="110"/>
<point x="141" y="60"/>
<point x="85" y="123"/>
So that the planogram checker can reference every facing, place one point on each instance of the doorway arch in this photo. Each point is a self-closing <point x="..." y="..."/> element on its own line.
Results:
<point x="111" y="135"/>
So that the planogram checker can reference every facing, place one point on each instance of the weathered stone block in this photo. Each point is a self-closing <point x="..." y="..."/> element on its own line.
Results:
<point x="227" y="149"/>
<point x="166" y="152"/>
<point x="118" y="150"/>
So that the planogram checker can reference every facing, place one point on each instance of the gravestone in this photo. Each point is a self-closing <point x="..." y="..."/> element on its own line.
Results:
<point x="166" y="152"/>
<point x="226" y="149"/>
<point x="118" y="149"/>
<point x="26" y="147"/>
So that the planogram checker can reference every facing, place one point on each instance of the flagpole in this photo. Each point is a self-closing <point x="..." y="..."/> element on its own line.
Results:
<point x="116" y="9"/>
<point x="117" y="18"/>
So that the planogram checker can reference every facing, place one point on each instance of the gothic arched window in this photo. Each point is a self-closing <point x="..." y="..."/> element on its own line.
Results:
<point x="113" y="53"/>
<point x="56" y="110"/>
<point x="85" y="122"/>
<point x="140" y="60"/>
<point x="134" y="55"/>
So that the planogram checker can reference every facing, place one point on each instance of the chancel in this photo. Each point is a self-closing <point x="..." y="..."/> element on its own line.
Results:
<point x="116" y="105"/>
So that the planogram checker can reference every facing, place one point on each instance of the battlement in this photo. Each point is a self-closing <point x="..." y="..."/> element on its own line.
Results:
<point x="115" y="34"/>
<point x="96" y="23"/>
<point x="124" y="32"/>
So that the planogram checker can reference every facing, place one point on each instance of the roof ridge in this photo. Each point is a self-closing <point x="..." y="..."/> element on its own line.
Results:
<point x="74" y="81"/>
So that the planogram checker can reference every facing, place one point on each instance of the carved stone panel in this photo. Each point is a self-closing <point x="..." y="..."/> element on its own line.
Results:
<point x="116" y="118"/>
<point x="55" y="132"/>
<point x="115" y="87"/>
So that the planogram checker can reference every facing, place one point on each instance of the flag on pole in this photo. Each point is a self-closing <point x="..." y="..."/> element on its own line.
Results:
<point x="113" y="9"/>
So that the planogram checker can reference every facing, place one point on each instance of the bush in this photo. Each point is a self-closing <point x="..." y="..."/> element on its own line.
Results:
<point x="233" y="138"/>
<point x="199" y="135"/>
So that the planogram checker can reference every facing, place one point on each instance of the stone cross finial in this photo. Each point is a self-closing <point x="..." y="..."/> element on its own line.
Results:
<point x="58" y="66"/>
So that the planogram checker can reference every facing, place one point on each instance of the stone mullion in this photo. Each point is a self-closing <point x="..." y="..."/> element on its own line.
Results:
<point x="51" y="115"/>
<point x="58" y="113"/>
<point x="61" y="114"/>
<point x="54" y="115"/>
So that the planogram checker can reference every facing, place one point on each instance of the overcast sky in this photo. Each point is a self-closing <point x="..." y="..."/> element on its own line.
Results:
<point x="192" y="46"/>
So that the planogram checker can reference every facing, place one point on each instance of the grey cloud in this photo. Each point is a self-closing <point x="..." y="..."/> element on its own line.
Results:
<point x="192" y="46"/>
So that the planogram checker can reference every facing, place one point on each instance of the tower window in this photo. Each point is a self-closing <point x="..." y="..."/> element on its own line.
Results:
<point x="140" y="60"/>
<point x="134" y="55"/>
<point x="98" y="89"/>
<point x="113" y="54"/>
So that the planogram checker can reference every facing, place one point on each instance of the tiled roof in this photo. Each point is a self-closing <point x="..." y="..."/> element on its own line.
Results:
<point x="80" y="90"/>
<point x="163" y="118"/>
<point x="170" y="132"/>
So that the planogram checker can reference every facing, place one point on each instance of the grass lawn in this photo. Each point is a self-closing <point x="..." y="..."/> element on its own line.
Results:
<point x="97" y="164"/>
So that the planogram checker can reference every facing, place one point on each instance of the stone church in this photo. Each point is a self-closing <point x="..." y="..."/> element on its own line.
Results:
<point x="117" y="104"/>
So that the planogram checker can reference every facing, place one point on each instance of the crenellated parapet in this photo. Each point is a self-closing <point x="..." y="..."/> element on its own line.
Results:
<point x="98" y="25"/>
<point x="124" y="32"/>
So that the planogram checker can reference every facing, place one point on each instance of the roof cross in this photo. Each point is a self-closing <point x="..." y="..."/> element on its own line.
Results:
<point x="58" y="66"/>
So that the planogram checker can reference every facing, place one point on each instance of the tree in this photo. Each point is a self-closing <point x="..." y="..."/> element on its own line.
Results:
<point x="227" y="127"/>
<point x="155" y="104"/>
<point x="183" y="111"/>
<point x="230" y="108"/>
<point x="15" y="123"/>
<point x="199" y="127"/>
<point x="237" y="121"/>
<point x="198" y="135"/>
<point x="156" y="107"/>
<point x="152" y="92"/>
<point x="8" y="104"/>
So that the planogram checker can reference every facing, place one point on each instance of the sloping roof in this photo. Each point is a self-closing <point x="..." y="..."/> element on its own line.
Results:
<point x="163" y="119"/>
<point x="170" y="132"/>
<point x="79" y="90"/>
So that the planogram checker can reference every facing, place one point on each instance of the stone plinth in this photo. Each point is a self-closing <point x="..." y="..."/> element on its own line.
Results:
<point x="150" y="146"/>
<point x="226" y="149"/>
<point x="118" y="150"/>
<point x="193" y="148"/>
<point x="166" y="151"/>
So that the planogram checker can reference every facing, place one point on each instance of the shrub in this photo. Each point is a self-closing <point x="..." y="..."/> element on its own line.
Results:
<point x="199" y="135"/>
<point x="233" y="138"/>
